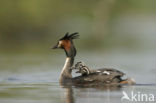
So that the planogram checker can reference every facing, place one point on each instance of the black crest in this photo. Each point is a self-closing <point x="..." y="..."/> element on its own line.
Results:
<point x="70" y="36"/>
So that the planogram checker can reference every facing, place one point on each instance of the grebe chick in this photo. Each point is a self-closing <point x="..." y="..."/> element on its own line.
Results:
<point x="88" y="77"/>
<point x="84" y="70"/>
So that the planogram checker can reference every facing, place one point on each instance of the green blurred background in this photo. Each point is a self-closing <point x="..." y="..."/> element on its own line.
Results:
<point x="33" y="26"/>
<point x="118" y="34"/>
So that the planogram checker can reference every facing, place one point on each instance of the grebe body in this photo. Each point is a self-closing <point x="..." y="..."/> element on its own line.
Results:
<point x="88" y="76"/>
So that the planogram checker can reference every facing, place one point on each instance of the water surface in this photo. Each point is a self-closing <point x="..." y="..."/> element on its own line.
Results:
<point x="29" y="78"/>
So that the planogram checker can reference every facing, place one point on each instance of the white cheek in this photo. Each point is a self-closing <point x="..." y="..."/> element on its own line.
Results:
<point x="60" y="43"/>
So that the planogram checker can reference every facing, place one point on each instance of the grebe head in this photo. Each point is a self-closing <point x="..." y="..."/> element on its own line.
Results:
<point x="67" y="44"/>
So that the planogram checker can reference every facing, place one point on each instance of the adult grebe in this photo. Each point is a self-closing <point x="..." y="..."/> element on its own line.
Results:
<point x="105" y="76"/>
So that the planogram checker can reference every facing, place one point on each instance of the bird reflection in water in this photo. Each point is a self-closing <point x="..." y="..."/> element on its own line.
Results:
<point x="85" y="92"/>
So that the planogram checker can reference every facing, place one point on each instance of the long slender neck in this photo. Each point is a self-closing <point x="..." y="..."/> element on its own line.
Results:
<point x="66" y="71"/>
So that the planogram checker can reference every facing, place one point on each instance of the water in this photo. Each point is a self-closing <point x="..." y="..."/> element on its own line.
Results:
<point x="32" y="78"/>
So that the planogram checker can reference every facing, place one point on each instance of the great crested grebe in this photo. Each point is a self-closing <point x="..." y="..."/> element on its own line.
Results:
<point x="88" y="77"/>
